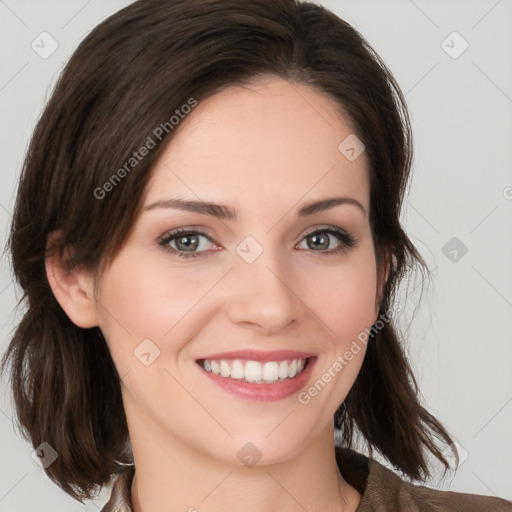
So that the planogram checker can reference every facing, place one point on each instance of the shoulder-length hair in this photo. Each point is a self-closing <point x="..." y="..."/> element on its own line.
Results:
<point x="127" y="78"/>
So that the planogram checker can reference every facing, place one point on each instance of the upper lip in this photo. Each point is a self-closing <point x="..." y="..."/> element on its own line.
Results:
<point x="259" y="355"/>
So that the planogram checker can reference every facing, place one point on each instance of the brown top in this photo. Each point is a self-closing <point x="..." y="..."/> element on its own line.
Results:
<point x="381" y="489"/>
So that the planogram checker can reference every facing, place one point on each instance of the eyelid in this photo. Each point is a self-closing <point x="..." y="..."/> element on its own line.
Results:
<point x="326" y="227"/>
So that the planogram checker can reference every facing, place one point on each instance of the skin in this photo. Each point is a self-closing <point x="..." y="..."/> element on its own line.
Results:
<point x="264" y="150"/>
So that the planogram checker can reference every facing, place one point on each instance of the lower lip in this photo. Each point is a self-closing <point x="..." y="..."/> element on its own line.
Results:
<point x="263" y="392"/>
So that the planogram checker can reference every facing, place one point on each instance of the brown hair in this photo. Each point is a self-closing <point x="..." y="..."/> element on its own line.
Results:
<point x="126" y="78"/>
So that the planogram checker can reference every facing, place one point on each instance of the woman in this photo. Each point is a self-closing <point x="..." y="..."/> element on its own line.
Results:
<point x="207" y="234"/>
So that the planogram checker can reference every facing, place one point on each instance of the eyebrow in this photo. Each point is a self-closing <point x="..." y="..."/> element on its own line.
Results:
<point x="221" y="211"/>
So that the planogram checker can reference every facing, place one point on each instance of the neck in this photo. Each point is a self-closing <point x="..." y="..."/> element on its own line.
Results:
<point x="173" y="476"/>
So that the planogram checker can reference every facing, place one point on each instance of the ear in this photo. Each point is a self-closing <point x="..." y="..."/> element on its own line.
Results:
<point x="383" y="267"/>
<point x="72" y="288"/>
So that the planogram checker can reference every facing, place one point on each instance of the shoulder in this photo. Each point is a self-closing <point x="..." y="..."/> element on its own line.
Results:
<point x="385" y="491"/>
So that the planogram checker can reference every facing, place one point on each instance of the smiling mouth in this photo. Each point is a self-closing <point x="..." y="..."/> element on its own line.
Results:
<point x="255" y="372"/>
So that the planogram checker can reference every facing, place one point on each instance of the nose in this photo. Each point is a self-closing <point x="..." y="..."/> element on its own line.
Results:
<point x="262" y="295"/>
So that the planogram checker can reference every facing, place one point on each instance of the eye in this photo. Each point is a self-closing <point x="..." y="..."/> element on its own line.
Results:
<point x="187" y="243"/>
<point x="320" y="240"/>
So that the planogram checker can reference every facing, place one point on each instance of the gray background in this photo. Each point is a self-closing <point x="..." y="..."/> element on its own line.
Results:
<point x="461" y="107"/>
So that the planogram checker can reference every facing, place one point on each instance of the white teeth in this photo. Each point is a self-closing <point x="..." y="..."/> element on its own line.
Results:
<point x="237" y="370"/>
<point x="292" y="370"/>
<point x="271" y="371"/>
<point x="225" y="370"/>
<point x="255" y="371"/>
<point x="215" y="367"/>
<point x="283" y="370"/>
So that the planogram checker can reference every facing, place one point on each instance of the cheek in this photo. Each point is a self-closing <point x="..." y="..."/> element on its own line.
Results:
<point x="346" y="306"/>
<point x="147" y="300"/>
<point x="345" y="301"/>
<point x="139" y="307"/>
<point x="141" y="301"/>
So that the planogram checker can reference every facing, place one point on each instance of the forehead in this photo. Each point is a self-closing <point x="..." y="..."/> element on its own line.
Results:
<point x="258" y="144"/>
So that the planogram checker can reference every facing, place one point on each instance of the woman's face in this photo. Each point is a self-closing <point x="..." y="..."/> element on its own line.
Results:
<point x="273" y="283"/>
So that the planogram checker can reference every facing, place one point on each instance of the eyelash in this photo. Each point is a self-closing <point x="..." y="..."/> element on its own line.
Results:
<point x="347" y="241"/>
